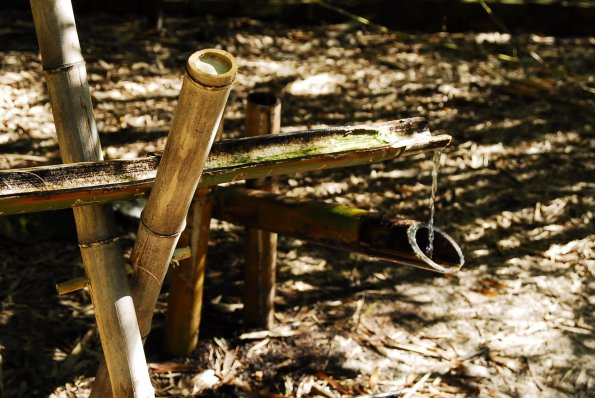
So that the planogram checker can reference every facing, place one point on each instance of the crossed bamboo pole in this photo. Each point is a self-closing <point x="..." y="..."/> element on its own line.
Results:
<point x="66" y="79"/>
<point x="205" y="88"/>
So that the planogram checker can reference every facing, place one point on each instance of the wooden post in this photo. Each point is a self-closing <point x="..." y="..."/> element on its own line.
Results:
<point x="263" y="116"/>
<point x="398" y="240"/>
<point x="68" y="88"/>
<point x="184" y="307"/>
<point x="205" y="88"/>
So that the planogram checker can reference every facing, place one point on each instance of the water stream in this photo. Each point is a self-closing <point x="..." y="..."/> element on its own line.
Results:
<point x="430" y="247"/>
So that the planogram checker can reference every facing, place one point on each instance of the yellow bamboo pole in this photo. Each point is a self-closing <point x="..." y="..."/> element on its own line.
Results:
<point x="184" y="306"/>
<point x="263" y="116"/>
<point x="66" y="79"/>
<point x="205" y="88"/>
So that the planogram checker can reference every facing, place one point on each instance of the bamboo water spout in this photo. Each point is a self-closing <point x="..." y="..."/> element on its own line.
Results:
<point x="62" y="186"/>
<point x="205" y="88"/>
<point x="396" y="240"/>
<point x="66" y="79"/>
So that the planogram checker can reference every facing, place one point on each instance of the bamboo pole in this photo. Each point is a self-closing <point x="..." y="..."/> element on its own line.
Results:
<point x="396" y="240"/>
<point x="68" y="89"/>
<point x="182" y="322"/>
<point x="62" y="186"/>
<point x="205" y="88"/>
<point x="263" y="116"/>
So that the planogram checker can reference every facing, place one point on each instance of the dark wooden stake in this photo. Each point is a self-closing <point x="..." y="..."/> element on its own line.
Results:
<point x="263" y="116"/>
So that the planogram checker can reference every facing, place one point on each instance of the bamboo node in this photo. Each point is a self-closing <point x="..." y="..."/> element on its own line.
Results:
<point x="64" y="67"/>
<point x="158" y="234"/>
<point x="99" y="242"/>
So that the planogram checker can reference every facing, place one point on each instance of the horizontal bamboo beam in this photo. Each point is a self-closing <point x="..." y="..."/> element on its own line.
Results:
<point x="397" y="240"/>
<point x="91" y="183"/>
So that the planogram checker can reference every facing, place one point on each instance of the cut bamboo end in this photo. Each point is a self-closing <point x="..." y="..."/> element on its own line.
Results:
<point x="448" y="256"/>
<point x="212" y="67"/>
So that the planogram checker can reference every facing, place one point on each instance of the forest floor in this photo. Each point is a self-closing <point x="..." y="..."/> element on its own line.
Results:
<point x="515" y="190"/>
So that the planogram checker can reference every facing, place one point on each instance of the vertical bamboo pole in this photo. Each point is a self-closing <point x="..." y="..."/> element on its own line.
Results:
<point x="68" y="88"/>
<point x="205" y="88"/>
<point x="187" y="280"/>
<point x="263" y="116"/>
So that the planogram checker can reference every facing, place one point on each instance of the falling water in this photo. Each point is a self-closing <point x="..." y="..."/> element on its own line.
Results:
<point x="430" y="248"/>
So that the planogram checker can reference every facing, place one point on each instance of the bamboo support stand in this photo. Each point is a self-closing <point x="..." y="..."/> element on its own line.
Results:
<point x="184" y="307"/>
<point x="397" y="240"/>
<point x="68" y="88"/>
<point x="263" y="116"/>
<point x="205" y="88"/>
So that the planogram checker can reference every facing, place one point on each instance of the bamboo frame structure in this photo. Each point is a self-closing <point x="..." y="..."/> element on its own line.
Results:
<point x="396" y="240"/>
<point x="182" y="321"/>
<point x="205" y="89"/>
<point x="263" y="116"/>
<point x="66" y="79"/>
<point x="63" y="186"/>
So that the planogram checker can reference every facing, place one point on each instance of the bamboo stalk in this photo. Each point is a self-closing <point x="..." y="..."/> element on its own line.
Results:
<point x="263" y="116"/>
<point x="62" y="186"/>
<point x="184" y="306"/>
<point x="396" y="240"/>
<point x="68" y="89"/>
<point x="82" y="282"/>
<point x="205" y="88"/>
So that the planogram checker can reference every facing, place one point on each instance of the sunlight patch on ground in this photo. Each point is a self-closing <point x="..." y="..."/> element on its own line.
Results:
<point x="321" y="84"/>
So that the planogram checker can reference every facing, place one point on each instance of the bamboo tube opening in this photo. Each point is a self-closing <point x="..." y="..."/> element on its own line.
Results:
<point x="212" y="68"/>
<point x="263" y="98"/>
<point x="447" y="257"/>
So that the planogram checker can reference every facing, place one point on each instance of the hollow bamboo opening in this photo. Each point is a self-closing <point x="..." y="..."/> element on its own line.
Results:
<point x="212" y="68"/>
<point x="448" y="256"/>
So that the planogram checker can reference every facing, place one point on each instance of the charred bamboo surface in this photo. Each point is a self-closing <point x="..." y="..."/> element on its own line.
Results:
<point x="91" y="183"/>
<point x="397" y="240"/>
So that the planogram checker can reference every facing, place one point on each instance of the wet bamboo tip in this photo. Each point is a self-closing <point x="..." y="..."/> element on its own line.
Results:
<point x="212" y="67"/>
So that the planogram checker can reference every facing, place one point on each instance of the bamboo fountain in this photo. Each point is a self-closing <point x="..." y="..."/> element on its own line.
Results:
<point x="192" y="161"/>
